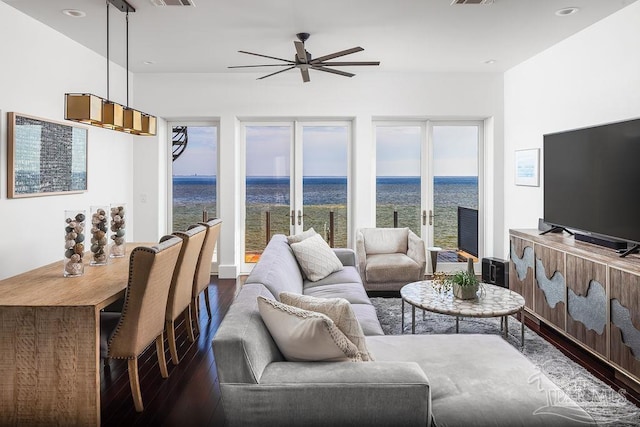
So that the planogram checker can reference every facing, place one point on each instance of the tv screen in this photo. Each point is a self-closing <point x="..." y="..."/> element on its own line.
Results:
<point x="592" y="180"/>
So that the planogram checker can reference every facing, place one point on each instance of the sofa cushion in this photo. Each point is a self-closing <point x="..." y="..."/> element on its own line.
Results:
<point x="277" y="269"/>
<point x="366" y="314"/>
<point x="337" y="309"/>
<point x="303" y="335"/>
<point x="316" y="258"/>
<point x="395" y="267"/>
<point x="297" y="238"/>
<point x="479" y="380"/>
<point x="385" y="240"/>
<point x="352" y="292"/>
<point x="348" y="274"/>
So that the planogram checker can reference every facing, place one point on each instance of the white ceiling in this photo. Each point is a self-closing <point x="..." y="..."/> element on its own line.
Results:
<point x="405" y="35"/>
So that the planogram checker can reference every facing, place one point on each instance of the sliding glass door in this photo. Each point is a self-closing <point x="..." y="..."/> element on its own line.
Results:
<point x="268" y="203"/>
<point x="453" y="211"/>
<point x="194" y="173"/>
<point x="295" y="178"/>
<point x="427" y="180"/>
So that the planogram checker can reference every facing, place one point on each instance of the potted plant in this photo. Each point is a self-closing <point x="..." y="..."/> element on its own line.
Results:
<point x="465" y="285"/>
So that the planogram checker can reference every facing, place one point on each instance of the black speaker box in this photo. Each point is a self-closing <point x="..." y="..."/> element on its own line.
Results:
<point x="495" y="271"/>
<point x="601" y="241"/>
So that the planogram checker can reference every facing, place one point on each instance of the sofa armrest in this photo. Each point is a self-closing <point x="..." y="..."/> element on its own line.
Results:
<point x="338" y="393"/>
<point x="346" y="256"/>
<point x="416" y="251"/>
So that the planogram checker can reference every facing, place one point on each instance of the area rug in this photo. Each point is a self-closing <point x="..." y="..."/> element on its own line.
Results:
<point x="606" y="406"/>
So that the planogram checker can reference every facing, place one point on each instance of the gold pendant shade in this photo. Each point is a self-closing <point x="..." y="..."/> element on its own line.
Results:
<point x="96" y="111"/>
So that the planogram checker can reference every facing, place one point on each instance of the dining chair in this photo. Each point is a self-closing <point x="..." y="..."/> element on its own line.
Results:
<point x="126" y="335"/>
<point x="202" y="278"/>
<point x="179" y="300"/>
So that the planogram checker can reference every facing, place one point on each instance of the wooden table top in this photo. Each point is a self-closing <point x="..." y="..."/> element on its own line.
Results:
<point x="47" y="286"/>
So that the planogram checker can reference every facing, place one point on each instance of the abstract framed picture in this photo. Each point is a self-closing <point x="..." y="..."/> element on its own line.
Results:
<point x="45" y="158"/>
<point x="528" y="167"/>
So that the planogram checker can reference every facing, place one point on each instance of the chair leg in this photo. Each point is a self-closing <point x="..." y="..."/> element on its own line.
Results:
<point x="134" y="381"/>
<point x="162" y="361"/>
<point x="171" y="337"/>
<point x="195" y="314"/>
<point x="206" y="301"/>
<point x="188" y="323"/>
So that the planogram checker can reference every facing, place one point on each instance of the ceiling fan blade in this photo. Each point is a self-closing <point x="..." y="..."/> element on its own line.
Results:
<point x="346" y="64"/>
<point x="337" y="54"/>
<point x="277" y="72"/>
<point x="302" y="54"/>
<point x="331" y="70"/>
<point x="266" y="56"/>
<point x="263" y="65"/>
<point x="305" y="74"/>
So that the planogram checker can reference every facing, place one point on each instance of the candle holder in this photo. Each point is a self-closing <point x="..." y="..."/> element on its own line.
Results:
<point x="73" y="265"/>
<point x="99" y="238"/>
<point x="117" y="214"/>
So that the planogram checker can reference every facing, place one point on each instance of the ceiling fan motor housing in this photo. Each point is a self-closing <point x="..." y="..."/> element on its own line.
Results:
<point x="303" y="37"/>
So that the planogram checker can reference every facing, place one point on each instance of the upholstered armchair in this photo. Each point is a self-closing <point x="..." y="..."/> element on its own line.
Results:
<point x="389" y="258"/>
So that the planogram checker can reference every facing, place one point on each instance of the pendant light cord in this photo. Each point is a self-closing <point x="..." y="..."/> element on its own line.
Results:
<point x="107" y="49"/>
<point x="127" y="58"/>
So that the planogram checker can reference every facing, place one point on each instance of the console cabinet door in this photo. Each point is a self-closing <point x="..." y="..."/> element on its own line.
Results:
<point x="587" y="303"/>
<point x="521" y="269"/>
<point x="624" y="300"/>
<point x="550" y="292"/>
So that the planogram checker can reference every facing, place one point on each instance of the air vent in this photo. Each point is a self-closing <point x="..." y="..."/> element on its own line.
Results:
<point x="162" y="3"/>
<point x="471" y="2"/>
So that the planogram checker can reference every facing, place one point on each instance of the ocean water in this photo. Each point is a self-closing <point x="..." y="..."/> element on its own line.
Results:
<point x="323" y="196"/>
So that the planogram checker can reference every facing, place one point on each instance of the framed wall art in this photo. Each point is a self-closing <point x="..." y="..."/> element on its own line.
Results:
<point x="528" y="167"/>
<point x="45" y="158"/>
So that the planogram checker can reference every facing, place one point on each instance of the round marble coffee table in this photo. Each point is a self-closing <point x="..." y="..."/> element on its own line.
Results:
<point x="493" y="301"/>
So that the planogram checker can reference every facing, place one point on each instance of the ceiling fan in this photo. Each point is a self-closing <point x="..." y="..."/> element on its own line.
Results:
<point x="305" y="62"/>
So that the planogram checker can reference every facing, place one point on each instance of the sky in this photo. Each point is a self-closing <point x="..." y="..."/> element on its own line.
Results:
<point x="455" y="151"/>
<point x="200" y="157"/>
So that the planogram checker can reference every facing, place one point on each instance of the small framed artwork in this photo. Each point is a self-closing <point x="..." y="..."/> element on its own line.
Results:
<point x="45" y="158"/>
<point x="528" y="167"/>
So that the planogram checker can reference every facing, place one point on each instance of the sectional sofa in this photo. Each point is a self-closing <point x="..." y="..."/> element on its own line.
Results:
<point x="414" y="380"/>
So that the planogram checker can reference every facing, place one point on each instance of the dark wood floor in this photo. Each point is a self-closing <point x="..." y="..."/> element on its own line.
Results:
<point x="191" y="394"/>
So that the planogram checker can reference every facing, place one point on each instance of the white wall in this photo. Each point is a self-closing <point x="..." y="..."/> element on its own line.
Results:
<point x="370" y="95"/>
<point x="589" y="79"/>
<point x="39" y="66"/>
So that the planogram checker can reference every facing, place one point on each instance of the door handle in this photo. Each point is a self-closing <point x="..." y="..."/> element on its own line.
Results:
<point x="431" y="215"/>
<point x="424" y="217"/>
<point x="299" y="217"/>
<point x="293" y="217"/>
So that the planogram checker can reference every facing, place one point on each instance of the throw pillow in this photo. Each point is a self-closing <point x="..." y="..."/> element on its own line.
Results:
<point x="297" y="238"/>
<point x="316" y="259"/>
<point x="303" y="335"/>
<point x="337" y="309"/>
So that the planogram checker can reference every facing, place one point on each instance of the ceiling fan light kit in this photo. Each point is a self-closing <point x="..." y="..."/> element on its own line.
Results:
<point x="304" y="61"/>
<point x="97" y="111"/>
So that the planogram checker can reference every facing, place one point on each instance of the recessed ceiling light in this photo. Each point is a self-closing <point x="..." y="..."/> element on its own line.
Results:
<point x="567" y="11"/>
<point x="490" y="61"/>
<point x="74" y="13"/>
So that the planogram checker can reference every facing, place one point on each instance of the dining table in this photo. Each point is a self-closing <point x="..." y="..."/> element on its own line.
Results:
<point x="50" y="342"/>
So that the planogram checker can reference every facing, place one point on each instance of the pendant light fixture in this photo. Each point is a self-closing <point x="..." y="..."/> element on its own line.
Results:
<point x="96" y="111"/>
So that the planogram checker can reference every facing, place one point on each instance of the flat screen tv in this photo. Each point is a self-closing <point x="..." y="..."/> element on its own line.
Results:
<point x="592" y="180"/>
